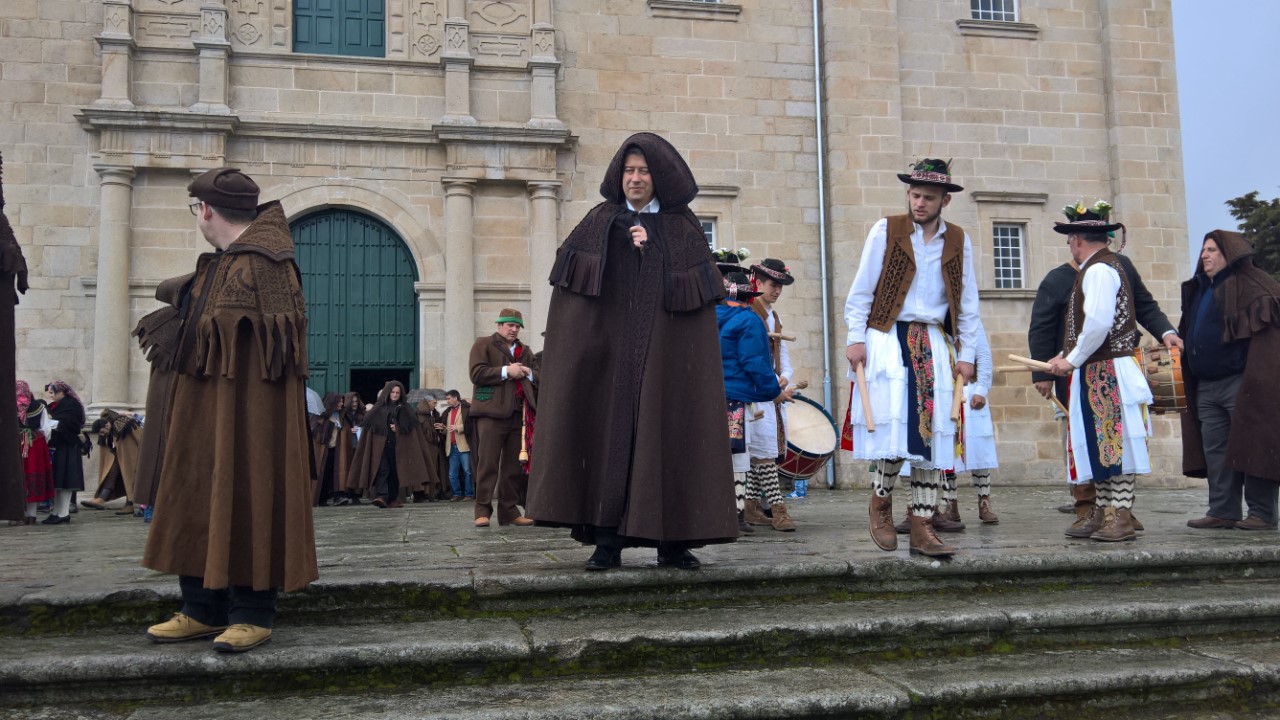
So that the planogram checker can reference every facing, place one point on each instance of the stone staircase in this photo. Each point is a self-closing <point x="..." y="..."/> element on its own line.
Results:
<point x="1150" y="629"/>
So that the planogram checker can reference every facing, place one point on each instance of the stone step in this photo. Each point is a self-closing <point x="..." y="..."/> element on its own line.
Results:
<point x="1202" y="680"/>
<point x="420" y="595"/>
<point x="360" y="658"/>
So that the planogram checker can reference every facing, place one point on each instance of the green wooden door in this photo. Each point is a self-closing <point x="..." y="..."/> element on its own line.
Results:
<point x="358" y="279"/>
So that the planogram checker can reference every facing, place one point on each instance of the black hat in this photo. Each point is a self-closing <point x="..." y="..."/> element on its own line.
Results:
<point x="931" y="171"/>
<point x="1087" y="220"/>
<point x="227" y="188"/>
<point x="775" y="270"/>
<point x="737" y="286"/>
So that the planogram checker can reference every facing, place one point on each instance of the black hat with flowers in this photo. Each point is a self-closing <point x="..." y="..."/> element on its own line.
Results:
<point x="775" y="270"/>
<point x="931" y="171"/>
<point x="1087" y="219"/>
<point x="730" y="260"/>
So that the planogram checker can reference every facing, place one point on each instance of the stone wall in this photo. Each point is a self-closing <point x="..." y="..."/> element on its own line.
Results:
<point x="481" y="139"/>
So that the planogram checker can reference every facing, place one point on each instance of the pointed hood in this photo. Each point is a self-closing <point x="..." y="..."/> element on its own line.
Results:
<point x="673" y="182"/>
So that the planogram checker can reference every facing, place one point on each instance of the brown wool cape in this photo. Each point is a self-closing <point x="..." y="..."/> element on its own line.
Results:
<point x="13" y="280"/>
<point x="233" y="499"/>
<point x="631" y="429"/>
<point x="118" y="452"/>
<point x="322" y="428"/>
<point x="411" y="453"/>
<point x="1249" y="299"/>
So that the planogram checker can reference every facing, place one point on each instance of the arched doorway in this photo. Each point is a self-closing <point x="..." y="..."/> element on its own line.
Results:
<point x="357" y="276"/>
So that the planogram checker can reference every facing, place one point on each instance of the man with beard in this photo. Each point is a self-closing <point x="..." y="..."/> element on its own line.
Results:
<point x="233" y="501"/>
<point x="913" y="288"/>
<point x="632" y="329"/>
<point x="503" y="405"/>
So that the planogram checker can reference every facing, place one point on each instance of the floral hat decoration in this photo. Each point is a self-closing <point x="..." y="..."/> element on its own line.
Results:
<point x="1090" y="219"/>
<point x="730" y="260"/>
<point x="931" y="171"/>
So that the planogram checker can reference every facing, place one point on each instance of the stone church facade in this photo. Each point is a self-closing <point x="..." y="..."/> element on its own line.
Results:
<point x="431" y="154"/>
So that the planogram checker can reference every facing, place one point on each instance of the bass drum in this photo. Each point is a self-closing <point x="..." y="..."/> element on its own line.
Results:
<point x="811" y="439"/>
<point x="1163" y="369"/>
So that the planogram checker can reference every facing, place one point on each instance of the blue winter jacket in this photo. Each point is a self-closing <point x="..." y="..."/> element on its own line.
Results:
<point x="744" y="353"/>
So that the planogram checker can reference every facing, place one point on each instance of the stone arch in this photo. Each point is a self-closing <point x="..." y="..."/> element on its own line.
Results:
<point x="427" y="254"/>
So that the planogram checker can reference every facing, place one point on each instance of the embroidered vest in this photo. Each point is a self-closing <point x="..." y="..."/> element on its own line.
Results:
<point x="900" y="269"/>
<point x="1123" y="336"/>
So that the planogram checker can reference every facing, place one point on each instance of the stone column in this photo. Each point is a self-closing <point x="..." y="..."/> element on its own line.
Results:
<point x="214" y="49"/>
<point x="460" y="283"/>
<point x="111" y="324"/>
<point x="457" y="62"/>
<point x="543" y="242"/>
<point x="543" y="66"/>
<point x="117" y="45"/>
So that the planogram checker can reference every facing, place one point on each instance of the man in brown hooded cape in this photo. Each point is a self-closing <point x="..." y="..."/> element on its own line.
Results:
<point x="405" y="456"/>
<point x="1231" y="327"/>
<point x="233" y="499"/>
<point x="632" y="438"/>
<point x="13" y="274"/>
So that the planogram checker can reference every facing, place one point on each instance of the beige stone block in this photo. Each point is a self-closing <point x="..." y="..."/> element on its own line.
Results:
<point x="299" y="101"/>
<point x="265" y="76"/>
<point x="254" y="99"/>
<point x="375" y="82"/>
<point x="324" y="80"/>
<point x="342" y="103"/>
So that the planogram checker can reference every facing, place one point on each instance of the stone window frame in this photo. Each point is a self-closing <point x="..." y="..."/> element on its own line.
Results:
<point x="1009" y="208"/>
<point x="1004" y="265"/>
<point x="1015" y="28"/>
<point x="716" y="204"/>
<point x="709" y="230"/>
<point x="976" y="10"/>
<point x="696" y="9"/>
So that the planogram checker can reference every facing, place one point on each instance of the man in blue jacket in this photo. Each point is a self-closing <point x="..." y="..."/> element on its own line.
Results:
<point x="748" y="371"/>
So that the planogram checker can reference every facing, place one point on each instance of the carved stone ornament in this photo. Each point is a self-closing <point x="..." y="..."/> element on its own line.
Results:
<point x="248" y="33"/>
<point x="427" y="20"/>
<point x="501" y="15"/>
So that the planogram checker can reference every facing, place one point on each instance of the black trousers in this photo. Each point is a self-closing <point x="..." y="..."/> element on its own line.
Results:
<point x="386" y="484"/>
<point x="227" y="606"/>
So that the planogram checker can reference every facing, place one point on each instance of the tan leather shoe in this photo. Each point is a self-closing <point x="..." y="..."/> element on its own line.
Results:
<point x="985" y="513"/>
<point x="482" y="522"/>
<point x="1087" y="525"/>
<point x="882" y="532"/>
<point x="522" y="521"/>
<point x="782" y="521"/>
<point x="924" y="541"/>
<point x="241" y="637"/>
<point x="1116" y="526"/>
<point x="752" y="514"/>
<point x="179" y="628"/>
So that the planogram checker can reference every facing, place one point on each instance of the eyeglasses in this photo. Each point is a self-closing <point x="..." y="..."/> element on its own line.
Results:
<point x="194" y="206"/>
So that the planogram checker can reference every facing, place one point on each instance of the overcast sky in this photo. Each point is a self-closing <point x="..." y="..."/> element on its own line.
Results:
<point x="1230" y="103"/>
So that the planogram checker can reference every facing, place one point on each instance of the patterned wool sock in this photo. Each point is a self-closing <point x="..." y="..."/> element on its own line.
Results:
<point x="884" y="476"/>
<point x="752" y="490"/>
<point x="924" y="492"/>
<point x="982" y="481"/>
<point x="769" y="483"/>
<point x="1122" y="491"/>
<point x="740" y="489"/>
<point x="948" y="485"/>
<point x="1103" y="490"/>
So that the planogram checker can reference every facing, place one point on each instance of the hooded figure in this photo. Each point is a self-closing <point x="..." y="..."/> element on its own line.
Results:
<point x="1244" y="307"/>
<point x="13" y="280"/>
<point x="387" y="460"/>
<point x="119" y="436"/>
<point x="632" y="444"/>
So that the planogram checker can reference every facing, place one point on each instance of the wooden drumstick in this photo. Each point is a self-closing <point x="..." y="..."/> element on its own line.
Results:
<point x="1013" y="369"/>
<point x="866" y="399"/>
<point x="780" y="336"/>
<point x="1058" y="404"/>
<point x="957" y="398"/>
<point x="1033" y="364"/>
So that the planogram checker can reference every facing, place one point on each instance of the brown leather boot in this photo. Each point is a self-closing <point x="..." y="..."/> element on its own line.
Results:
<point x="781" y="520"/>
<point x="948" y="521"/>
<point x="751" y="513"/>
<point x="985" y="513"/>
<point x="925" y="542"/>
<point x="1086" y="496"/>
<point x="1137" y="524"/>
<point x="904" y="527"/>
<point x="1085" y="526"/>
<point x="882" y="533"/>
<point x="1117" y="526"/>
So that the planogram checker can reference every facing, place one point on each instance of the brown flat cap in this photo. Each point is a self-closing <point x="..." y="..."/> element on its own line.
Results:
<point x="511" y="315"/>
<point x="225" y="187"/>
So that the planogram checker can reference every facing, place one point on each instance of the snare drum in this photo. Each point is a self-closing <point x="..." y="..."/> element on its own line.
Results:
<point x="1163" y="369"/>
<point x="811" y="439"/>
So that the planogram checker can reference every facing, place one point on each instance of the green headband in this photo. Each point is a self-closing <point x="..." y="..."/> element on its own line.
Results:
<point x="507" y="319"/>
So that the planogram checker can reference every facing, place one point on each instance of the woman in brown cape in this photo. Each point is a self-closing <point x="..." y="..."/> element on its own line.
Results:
<point x="390" y="454"/>
<point x="432" y="448"/>
<point x="632" y="444"/>
<point x="328" y="436"/>
<point x="351" y="419"/>
<point x="119" y="438"/>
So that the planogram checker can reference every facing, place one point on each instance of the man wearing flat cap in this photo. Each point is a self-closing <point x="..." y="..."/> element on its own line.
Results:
<point x="504" y="405"/>
<point x="225" y="456"/>
<point x="914" y="289"/>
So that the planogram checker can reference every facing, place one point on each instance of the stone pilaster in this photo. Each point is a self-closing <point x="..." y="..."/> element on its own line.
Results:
<point x="542" y="254"/>
<point x="116" y="41"/>
<point x="460" y="283"/>
<point x="457" y="61"/>
<point x="543" y="68"/>
<point x="111" y="309"/>
<point x="214" y="49"/>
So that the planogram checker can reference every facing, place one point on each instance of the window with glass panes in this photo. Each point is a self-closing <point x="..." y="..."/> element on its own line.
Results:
<point x="709" y="229"/>
<point x="1000" y="10"/>
<point x="1007" y="253"/>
